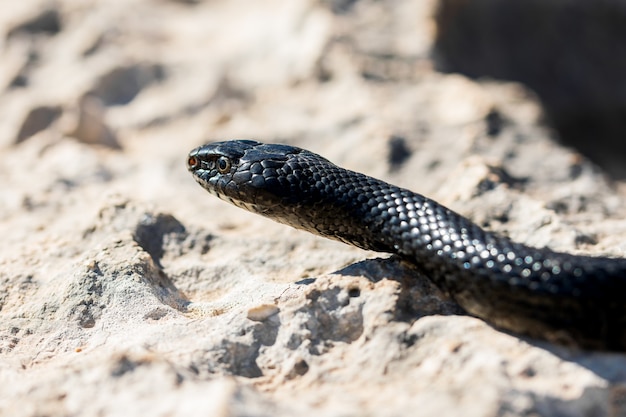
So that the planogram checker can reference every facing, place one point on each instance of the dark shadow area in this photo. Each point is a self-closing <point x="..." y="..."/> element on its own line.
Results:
<point x="572" y="54"/>
<point x="121" y="85"/>
<point x="47" y="22"/>
<point x="151" y="232"/>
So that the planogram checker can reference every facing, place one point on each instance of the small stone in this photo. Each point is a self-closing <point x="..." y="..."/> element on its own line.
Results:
<point x="262" y="312"/>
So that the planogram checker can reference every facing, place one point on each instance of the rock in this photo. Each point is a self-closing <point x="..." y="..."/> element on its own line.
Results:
<point x="125" y="289"/>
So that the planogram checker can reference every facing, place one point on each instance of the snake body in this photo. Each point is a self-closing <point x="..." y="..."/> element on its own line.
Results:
<point x="534" y="291"/>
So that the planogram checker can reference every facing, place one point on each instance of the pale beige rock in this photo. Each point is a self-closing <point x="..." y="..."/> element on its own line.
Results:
<point x="126" y="290"/>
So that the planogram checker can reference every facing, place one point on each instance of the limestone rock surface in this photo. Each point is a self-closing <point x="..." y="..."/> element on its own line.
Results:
<point x="126" y="290"/>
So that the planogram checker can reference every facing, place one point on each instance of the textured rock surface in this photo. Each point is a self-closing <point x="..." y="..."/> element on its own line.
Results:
<point x="127" y="290"/>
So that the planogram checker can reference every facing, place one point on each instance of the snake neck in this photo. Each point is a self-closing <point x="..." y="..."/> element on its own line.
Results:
<point x="368" y="213"/>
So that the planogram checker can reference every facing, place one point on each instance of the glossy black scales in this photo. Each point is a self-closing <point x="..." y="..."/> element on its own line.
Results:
<point x="529" y="290"/>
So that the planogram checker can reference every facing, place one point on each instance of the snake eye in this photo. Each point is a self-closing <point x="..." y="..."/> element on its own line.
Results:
<point x="223" y="165"/>
<point x="193" y="162"/>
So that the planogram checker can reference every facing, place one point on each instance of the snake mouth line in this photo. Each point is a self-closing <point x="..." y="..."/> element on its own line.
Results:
<point x="217" y="190"/>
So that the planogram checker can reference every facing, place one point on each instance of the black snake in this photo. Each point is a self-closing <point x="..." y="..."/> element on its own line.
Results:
<point x="534" y="291"/>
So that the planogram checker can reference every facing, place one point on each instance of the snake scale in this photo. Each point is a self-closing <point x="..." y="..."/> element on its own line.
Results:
<point x="561" y="297"/>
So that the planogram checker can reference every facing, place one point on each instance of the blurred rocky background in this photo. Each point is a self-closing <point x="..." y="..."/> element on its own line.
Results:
<point x="125" y="289"/>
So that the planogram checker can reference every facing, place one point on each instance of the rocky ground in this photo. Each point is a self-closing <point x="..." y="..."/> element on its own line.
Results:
<point x="125" y="289"/>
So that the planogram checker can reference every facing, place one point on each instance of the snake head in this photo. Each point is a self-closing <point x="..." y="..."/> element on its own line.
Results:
<point x="287" y="184"/>
<point x="246" y="173"/>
